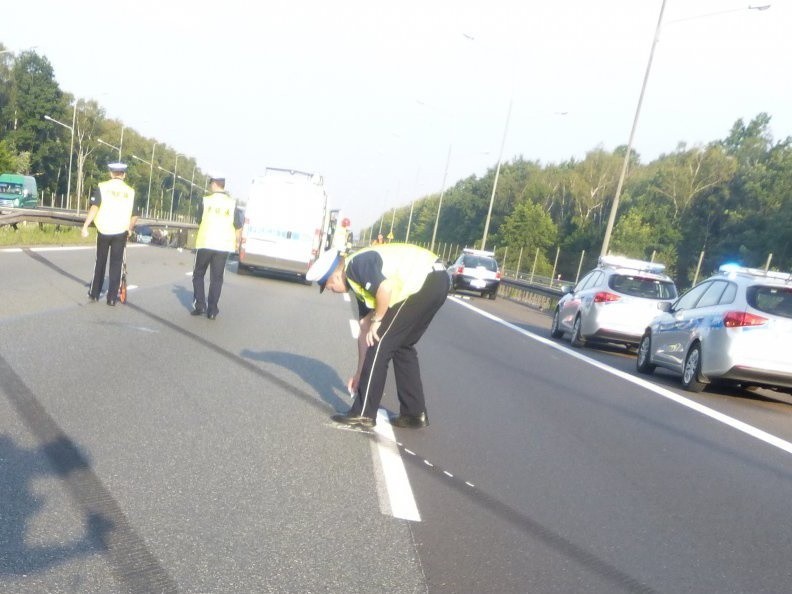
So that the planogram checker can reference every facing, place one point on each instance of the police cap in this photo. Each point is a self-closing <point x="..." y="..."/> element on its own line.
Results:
<point x="323" y="267"/>
<point x="117" y="167"/>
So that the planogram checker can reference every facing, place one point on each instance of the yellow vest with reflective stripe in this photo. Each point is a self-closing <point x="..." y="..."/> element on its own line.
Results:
<point x="216" y="231"/>
<point x="405" y="265"/>
<point x="115" y="210"/>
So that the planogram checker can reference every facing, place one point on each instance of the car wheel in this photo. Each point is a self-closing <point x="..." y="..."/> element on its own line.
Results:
<point x="242" y="269"/>
<point x="555" y="330"/>
<point x="643" y="360"/>
<point x="492" y="295"/>
<point x="577" y="339"/>
<point x="692" y="370"/>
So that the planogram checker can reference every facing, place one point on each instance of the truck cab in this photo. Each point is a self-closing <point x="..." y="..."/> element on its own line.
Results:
<point x="18" y="191"/>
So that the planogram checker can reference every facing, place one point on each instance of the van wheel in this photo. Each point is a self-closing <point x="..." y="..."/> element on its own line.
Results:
<point x="577" y="339"/>
<point x="691" y="373"/>
<point x="643" y="361"/>
<point x="555" y="329"/>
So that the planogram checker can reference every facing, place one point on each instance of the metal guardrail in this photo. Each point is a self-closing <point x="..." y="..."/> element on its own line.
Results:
<point x="13" y="216"/>
<point x="543" y="298"/>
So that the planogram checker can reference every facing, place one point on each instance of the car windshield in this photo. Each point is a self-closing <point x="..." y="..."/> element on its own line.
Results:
<point x="476" y="261"/>
<point x="773" y="300"/>
<point x="10" y="188"/>
<point x="639" y="286"/>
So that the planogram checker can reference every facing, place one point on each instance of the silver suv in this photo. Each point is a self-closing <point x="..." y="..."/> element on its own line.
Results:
<point x="735" y="327"/>
<point x="613" y="303"/>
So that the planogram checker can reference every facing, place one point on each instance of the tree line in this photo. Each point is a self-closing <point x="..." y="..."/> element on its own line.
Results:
<point x="694" y="207"/>
<point x="33" y="145"/>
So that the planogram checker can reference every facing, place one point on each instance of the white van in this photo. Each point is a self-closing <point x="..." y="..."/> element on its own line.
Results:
<point x="285" y="222"/>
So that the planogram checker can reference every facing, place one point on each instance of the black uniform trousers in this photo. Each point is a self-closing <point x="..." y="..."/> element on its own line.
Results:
<point x="214" y="260"/>
<point x="401" y="327"/>
<point x="114" y="244"/>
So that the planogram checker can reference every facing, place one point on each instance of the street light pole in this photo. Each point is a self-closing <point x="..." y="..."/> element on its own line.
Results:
<point x="151" y="172"/>
<point x="71" y="150"/>
<point x="173" y="191"/>
<point x="440" y="203"/>
<point x="497" y="173"/>
<point x="626" y="163"/>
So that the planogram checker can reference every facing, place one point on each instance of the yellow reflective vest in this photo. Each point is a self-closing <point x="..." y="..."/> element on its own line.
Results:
<point x="115" y="210"/>
<point x="405" y="265"/>
<point x="216" y="231"/>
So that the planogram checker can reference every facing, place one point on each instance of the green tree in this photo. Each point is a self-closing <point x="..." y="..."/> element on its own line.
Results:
<point x="32" y="94"/>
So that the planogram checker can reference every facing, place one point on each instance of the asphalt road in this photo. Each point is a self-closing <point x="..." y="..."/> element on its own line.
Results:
<point x="142" y="449"/>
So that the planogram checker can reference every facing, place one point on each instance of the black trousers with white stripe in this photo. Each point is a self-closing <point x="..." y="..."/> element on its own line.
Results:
<point x="114" y="245"/>
<point x="402" y="327"/>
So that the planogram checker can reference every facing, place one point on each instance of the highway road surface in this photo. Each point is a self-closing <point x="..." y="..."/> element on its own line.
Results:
<point x="146" y="450"/>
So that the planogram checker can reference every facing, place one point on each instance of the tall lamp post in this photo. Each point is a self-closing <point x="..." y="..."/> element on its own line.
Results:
<point x="497" y="173"/>
<point x="626" y="163"/>
<point x="440" y="203"/>
<point x="151" y="172"/>
<point x="173" y="190"/>
<point x="71" y="151"/>
<point x="112" y="146"/>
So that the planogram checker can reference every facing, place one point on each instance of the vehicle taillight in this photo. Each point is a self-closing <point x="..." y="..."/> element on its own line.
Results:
<point x="737" y="319"/>
<point x="605" y="297"/>
<point x="460" y="269"/>
<point x="497" y="275"/>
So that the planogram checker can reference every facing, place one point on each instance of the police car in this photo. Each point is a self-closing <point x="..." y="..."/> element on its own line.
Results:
<point x="475" y="270"/>
<point x="735" y="327"/>
<point x="613" y="303"/>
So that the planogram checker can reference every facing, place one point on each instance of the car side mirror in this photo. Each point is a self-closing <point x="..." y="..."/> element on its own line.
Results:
<point x="665" y="306"/>
<point x="567" y="289"/>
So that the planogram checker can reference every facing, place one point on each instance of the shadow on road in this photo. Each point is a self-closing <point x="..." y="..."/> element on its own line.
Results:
<point x="320" y="376"/>
<point x="18" y="467"/>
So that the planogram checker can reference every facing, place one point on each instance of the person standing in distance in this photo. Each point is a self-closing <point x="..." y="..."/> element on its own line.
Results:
<point x="111" y="210"/>
<point x="399" y="289"/>
<point x="219" y="231"/>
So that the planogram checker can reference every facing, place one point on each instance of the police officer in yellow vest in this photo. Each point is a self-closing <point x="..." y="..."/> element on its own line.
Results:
<point x="220" y="224"/>
<point x="399" y="288"/>
<point x="111" y="210"/>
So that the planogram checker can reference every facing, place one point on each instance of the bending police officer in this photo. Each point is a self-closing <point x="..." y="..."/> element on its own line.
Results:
<point x="111" y="210"/>
<point x="399" y="289"/>
<point x="219" y="231"/>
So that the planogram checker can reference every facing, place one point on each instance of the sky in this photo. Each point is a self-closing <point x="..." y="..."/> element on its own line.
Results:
<point x="382" y="98"/>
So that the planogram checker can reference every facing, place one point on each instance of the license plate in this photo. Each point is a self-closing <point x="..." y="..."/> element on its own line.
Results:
<point x="478" y="284"/>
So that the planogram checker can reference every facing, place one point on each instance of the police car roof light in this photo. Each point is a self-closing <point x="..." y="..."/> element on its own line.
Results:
<point x="732" y="269"/>
<point x="631" y="263"/>
<point x="478" y="252"/>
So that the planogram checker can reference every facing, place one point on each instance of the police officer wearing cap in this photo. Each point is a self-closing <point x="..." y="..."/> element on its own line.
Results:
<point x="219" y="230"/>
<point x="111" y="210"/>
<point x="399" y="288"/>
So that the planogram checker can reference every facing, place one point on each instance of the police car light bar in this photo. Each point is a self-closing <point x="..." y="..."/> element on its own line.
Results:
<point x="473" y="252"/>
<point x="624" y="262"/>
<point x="737" y="269"/>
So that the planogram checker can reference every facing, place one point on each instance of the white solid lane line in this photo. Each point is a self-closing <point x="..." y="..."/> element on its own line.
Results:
<point x="393" y="485"/>
<point x="754" y="432"/>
